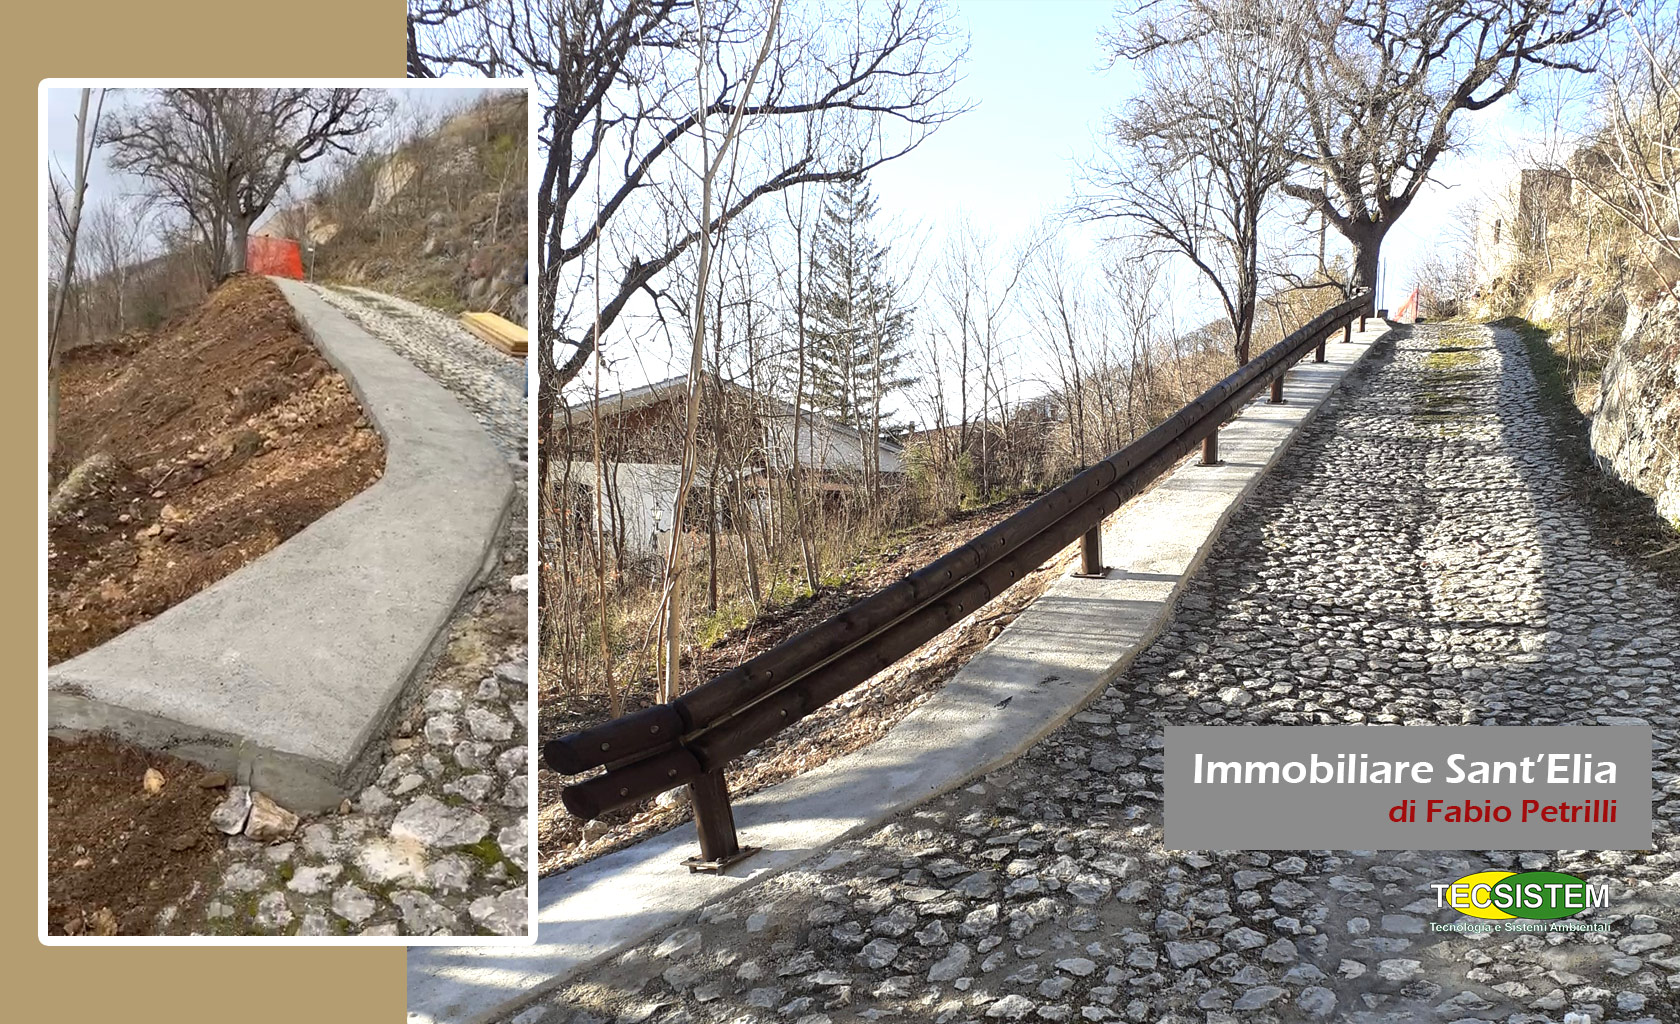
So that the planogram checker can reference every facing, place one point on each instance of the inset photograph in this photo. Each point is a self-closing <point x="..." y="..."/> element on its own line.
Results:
<point x="284" y="431"/>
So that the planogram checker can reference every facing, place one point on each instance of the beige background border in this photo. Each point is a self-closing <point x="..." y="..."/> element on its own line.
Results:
<point x="156" y="38"/>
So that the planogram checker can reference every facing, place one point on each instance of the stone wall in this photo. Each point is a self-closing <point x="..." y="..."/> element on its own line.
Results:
<point x="1636" y="420"/>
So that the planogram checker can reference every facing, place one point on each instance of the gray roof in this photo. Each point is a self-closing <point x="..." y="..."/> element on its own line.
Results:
<point x="648" y="394"/>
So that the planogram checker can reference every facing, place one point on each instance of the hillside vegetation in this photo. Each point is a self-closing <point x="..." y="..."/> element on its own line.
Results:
<point x="1604" y="301"/>
<point x="440" y="220"/>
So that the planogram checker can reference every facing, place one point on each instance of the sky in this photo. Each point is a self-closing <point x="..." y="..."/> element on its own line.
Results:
<point x="105" y="184"/>
<point x="1035" y="73"/>
<point x="1041" y="93"/>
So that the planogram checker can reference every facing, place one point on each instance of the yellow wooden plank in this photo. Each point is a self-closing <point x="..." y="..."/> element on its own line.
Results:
<point x="497" y="332"/>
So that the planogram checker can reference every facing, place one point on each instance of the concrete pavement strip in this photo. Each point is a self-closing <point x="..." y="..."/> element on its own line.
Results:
<point x="285" y="671"/>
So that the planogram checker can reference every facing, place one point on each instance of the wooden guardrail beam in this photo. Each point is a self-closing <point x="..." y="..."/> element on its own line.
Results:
<point x="690" y="740"/>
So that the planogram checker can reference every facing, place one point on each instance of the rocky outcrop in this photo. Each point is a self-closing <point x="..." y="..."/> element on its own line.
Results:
<point x="440" y="221"/>
<point x="1636" y="422"/>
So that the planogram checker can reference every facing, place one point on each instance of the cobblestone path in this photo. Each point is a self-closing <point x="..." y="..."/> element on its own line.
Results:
<point x="436" y="845"/>
<point x="491" y="385"/>
<point x="1416" y="558"/>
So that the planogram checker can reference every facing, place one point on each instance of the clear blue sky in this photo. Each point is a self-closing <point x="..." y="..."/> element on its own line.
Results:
<point x="1034" y="71"/>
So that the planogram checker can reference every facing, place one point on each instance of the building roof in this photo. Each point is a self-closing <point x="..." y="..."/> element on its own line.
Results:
<point x="659" y="391"/>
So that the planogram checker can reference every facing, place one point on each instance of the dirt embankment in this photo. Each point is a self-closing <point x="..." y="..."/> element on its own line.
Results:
<point x="189" y="452"/>
<point x="118" y="851"/>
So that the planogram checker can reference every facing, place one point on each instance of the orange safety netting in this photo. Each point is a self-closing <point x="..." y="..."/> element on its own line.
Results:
<point x="1408" y="310"/>
<point x="277" y="256"/>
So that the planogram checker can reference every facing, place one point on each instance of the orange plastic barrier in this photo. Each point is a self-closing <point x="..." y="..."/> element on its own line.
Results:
<point x="1408" y="310"/>
<point x="279" y="257"/>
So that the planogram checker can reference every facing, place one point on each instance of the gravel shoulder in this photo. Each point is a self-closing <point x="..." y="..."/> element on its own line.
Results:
<point x="1419" y="559"/>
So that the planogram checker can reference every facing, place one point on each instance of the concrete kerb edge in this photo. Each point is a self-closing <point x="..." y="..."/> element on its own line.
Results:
<point x="434" y="648"/>
<point x="1158" y="622"/>
<point x="488" y="561"/>
<point x="72" y="710"/>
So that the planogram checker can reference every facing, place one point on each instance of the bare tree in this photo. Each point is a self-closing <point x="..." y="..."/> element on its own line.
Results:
<point x="975" y="293"/>
<point x="711" y="164"/>
<point x="1202" y="151"/>
<point x="116" y="236"/>
<point x="617" y="106"/>
<point x="1139" y="295"/>
<point x="1385" y="85"/>
<point x="1061" y="306"/>
<point x="796" y="218"/>
<point x="66" y="218"/>
<point x="219" y="157"/>
<point x="1632" y="168"/>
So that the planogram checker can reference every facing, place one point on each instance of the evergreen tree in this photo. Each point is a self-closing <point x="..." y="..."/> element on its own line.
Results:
<point x="858" y="323"/>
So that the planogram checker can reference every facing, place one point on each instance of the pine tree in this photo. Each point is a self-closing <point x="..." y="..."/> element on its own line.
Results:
<point x="859" y="324"/>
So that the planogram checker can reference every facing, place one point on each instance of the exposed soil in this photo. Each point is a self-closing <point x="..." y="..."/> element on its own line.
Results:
<point x="116" y="854"/>
<point x="191" y="451"/>
<point x="849" y="723"/>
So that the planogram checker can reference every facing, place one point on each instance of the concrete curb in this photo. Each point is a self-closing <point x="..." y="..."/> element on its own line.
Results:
<point x="283" y="672"/>
<point x="1057" y="656"/>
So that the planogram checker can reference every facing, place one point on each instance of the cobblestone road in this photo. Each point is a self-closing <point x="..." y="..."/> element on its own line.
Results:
<point x="1415" y="559"/>
<point x="491" y="385"/>
<point x="436" y="845"/>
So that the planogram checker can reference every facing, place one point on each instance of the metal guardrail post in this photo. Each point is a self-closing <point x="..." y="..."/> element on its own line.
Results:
<point x="714" y="819"/>
<point x="1277" y="389"/>
<point x="1318" y="353"/>
<point x="1347" y="332"/>
<point x="1210" y="449"/>
<point x="1362" y="323"/>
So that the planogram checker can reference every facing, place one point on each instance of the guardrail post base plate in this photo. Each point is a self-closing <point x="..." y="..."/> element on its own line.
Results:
<point x="714" y="819"/>
<point x="717" y="867"/>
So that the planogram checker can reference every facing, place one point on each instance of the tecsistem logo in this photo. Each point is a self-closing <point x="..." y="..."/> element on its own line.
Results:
<point x="1534" y="895"/>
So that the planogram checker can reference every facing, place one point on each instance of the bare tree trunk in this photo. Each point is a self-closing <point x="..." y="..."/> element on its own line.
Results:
<point x="744" y="526"/>
<point x="807" y="550"/>
<point x="85" y="136"/>
<point x="241" y="240"/>
<point x="711" y="164"/>
<point x="711" y="542"/>
<point x="613" y="697"/>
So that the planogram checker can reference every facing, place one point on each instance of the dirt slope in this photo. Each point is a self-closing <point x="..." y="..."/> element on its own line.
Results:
<point x="117" y="854"/>
<point x="195" y="449"/>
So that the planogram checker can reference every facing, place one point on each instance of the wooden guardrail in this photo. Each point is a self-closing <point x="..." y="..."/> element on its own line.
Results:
<point x="690" y="740"/>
